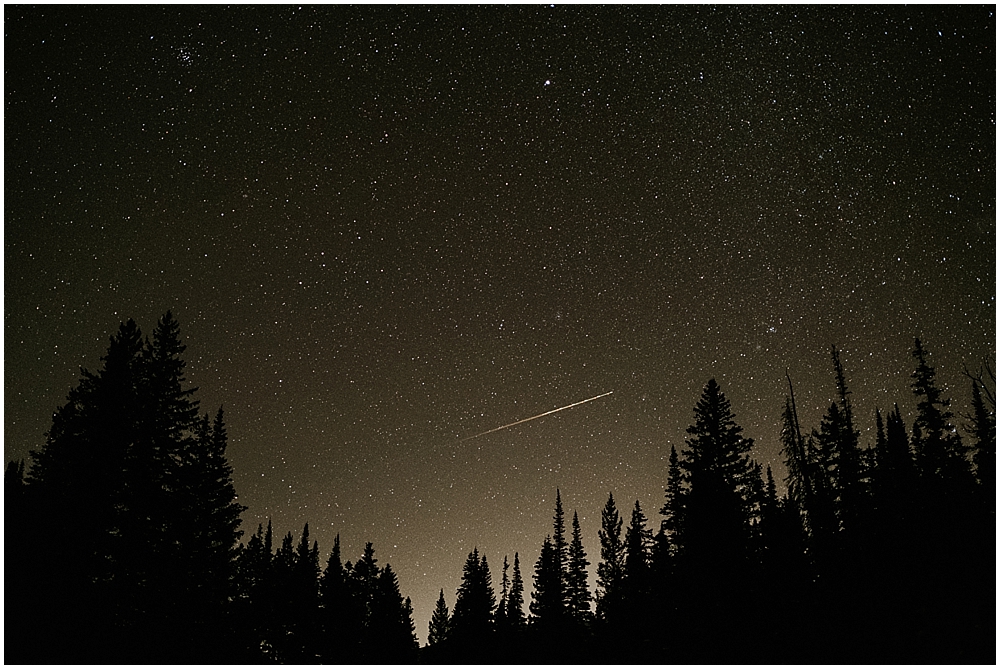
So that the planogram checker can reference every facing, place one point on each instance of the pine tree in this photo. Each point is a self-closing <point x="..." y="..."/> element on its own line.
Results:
<point x="611" y="568"/>
<point x="638" y="545"/>
<point x="578" y="593"/>
<point x="303" y="600"/>
<point x="341" y="616"/>
<point x="793" y="449"/>
<point x="940" y="454"/>
<point x="475" y="601"/>
<point x="673" y="509"/>
<point x="515" y="601"/>
<point x="983" y="430"/>
<point x="547" y="605"/>
<point x="390" y="622"/>
<point x="560" y="547"/>
<point x="79" y="479"/>
<point x="500" y="616"/>
<point x="252" y="570"/>
<point x="439" y="624"/>
<point x="364" y="575"/>
<point x="143" y="487"/>
<point x="717" y="465"/>
<point x="895" y="474"/>
<point x="208" y="527"/>
<point x="849" y="474"/>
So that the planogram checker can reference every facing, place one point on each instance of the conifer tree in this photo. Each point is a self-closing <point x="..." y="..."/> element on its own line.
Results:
<point x="560" y="548"/>
<point x="793" y="449"/>
<point x="500" y="616"/>
<point x="303" y="600"/>
<point x="391" y="631"/>
<point x="341" y="615"/>
<point x="515" y="600"/>
<point x="673" y="509"/>
<point x="559" y="543"/>
<point x="252" y="568"/>
<point x="895" y="473"/>
<point x="143" y="487"/>
<point x="848" y="470"/>
<point x="940" y="454"/>
<point x="547" y="605"/>
<point x="364" y="575"/>
<point x="439" y="624"/>
<point x="611" y="568"/>
<point x="983" y="431"/>
<point x="578" y="593"/>
<point x="475" y="601"/>
<point x="769" y="506"/>
<point x="638" y="547"/>
<point x="717" y="465"/>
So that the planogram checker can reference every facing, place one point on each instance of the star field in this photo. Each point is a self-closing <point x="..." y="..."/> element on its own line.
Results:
<point x="385" y="229"/>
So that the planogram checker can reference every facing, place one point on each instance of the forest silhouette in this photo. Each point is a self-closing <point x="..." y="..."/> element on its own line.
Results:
<point x="124" y="545"/>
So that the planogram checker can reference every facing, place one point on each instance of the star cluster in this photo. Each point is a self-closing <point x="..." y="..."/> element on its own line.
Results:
<point x="384" y="229"/>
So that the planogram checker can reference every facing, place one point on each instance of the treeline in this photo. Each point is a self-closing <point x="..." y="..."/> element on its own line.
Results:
<point x="875" y="554"/>
<point x="878" y="553"/>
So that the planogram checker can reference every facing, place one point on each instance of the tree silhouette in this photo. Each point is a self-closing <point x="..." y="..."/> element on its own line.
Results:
<point x="142" y="485"/>
<point x="672" y="510"/>
<point x="940" y="454"/>
<point x="515" y="600"/>
<point x="719" y="472"/>
<point x="342" y="615"/>
<point x="439" y="624"/>
<point x="547" y="602"/>
<point x="983" y="431"/>
<point x="848" y="470"/>
<point x="500" y="615"/>
<point x="578" y="593"/>
<point x="636" y="583"/>
<point x="392" y="631"/>
<point x="611" y="568"/>
<point x="475" y="601"/>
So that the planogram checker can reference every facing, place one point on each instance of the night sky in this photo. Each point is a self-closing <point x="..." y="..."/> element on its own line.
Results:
<point x="386" y="229"/>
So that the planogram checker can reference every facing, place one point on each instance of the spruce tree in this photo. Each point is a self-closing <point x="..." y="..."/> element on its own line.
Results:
<point x="548" y="604"/>
<point x="717" y="465"/>
<point x="500" y="616"/>
<point x="248" y="573"/>
<point x="577" y="591"/>
<point x="793" y="449"/>
<point x="672" y="509"/>
<point x="439" y="624"/>
<point x="390" y="622"/>
<point x="560" y="547"/>
<point x="475" y="601"/>
<point x="611" y="568"/>
<point x="983" y="431"/>
<point x="638" y="546"/>
<point x="362" y="582"/>
<point x="515" y="600"/>
<point x="849" y="474"/>
<point x="143" y="488"/>
<point x="940" y="454"/>
<point x="341" y="617"/>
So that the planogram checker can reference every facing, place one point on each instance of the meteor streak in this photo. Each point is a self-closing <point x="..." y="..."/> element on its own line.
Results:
<point x="525" y="420"/>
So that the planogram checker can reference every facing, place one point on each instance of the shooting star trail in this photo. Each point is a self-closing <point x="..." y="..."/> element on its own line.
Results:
<point x="525" y="420"/>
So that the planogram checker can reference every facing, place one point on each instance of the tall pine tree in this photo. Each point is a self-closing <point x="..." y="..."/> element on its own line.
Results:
<point x="940" y="454"/>
<point x="439" y="625"/>
<point x="475" y="601"/>
<point x="577" y="592"/>
<point x="611" y="568"/>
